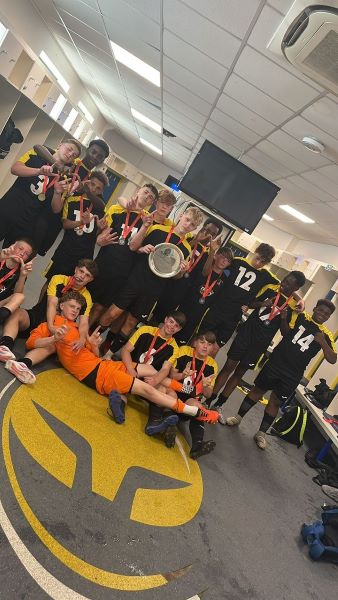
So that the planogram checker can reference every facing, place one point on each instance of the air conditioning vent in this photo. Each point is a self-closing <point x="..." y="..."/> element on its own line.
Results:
<point x="324" y="58"/>
<point x="308" y="39"/>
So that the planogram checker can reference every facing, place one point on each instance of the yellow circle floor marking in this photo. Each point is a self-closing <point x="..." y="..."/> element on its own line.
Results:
<point x="115" y="449"/>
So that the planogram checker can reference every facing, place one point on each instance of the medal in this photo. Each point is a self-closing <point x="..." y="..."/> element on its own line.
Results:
<point x="186" y="275"/>
<point x="151" y="351"/>
<point x="267" y="323"/>
<point x="79" y="231"/>
<point x="122" y="241"/>
<point x="276" y="310"/>
<point x="202" y="300"/>
<point x="128" y="228"/>
<point x="207" y="288"/>
<point x="42" y="197"/>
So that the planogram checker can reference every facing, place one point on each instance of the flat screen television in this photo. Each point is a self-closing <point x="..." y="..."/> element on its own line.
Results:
<point x="228" y="187"/>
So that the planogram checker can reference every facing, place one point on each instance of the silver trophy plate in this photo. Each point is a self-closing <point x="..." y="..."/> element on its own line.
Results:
<point x="166" y="260"/>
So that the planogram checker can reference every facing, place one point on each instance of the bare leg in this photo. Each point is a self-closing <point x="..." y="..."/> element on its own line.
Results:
<point x="95" y="314"/>
<point x="233" y="381"/>
<point x="13" y="302"/>
<point x="18" y="321"/>
<point x="224" y="374"/>
<point x="129" y="324"/>
<point x="37" y="355"/>
<point x="110" y="315"/>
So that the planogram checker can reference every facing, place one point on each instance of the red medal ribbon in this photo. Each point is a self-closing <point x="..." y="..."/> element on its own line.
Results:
<point x="46" y="185"/>
<point x="128" y="228"/>
<point x="81" y="210"/>
<point x="208" y="287"/>
<point x="194" y="261"/>
<point x="9" y="274"/>
<point x="276" y="310"/>
<point x="153" y="342"/>
<point x="170" y="234"/>
<point x="195" y="379"/>
<point x="68" y="286"/>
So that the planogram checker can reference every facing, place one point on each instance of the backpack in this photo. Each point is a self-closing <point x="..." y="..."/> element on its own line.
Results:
<point x="322" y="536"/>
<point x="322" y="395"/>
<point x="291" y="425"/>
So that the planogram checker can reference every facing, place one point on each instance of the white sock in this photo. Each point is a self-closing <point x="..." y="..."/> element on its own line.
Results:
<point x="190" y="410"/>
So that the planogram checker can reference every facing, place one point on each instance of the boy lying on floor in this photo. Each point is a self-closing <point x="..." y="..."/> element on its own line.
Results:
<point x="107" y="377"/>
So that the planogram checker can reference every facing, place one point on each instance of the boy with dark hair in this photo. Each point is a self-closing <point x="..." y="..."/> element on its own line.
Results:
<point x="24" y="207"/>
<point x="156" y="347"/>
<point x="115" y="258"/>
<point x="79" y="169"/>
<point x="194" y="375"/>
<point x="23" y="320"/>
<point x="15" y="265"/>
<point x="105" y="376"/>
<point x="202" y="293"/>
<point x="81" y="227"/>
<point x="245" y="279"/>
<point x="256" y="334"/>
<point x="178" y="290"/>
<point x="304" y="335"/>
<point x="144" y="287"/>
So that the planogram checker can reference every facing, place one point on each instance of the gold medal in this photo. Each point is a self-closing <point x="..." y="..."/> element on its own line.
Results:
<point x="42" y="197"/>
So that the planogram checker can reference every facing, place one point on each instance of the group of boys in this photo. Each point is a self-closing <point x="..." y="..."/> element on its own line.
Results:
<point x="170" y="360"/>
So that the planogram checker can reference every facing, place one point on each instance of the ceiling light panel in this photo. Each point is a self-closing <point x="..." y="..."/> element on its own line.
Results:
<point x="145" y="120"/>
<point x="267" y="218"/>
<point x="55" y="71"/>
<point x="86" y="112"/>
<point x="296" y="213"/>
<point x="136" y="64"/>
<point x="151" y="146"/>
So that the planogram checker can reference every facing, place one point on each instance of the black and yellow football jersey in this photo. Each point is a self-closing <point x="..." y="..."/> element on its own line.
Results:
<point x="142" y="340"/>
<point x="186" y="355"/>
<point x="56" y="288"/>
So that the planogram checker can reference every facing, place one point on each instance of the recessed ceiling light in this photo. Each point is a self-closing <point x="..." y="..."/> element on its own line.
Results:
<point x="55" y="71"/>
<point x="79" y="129"/>
<point x="151" y="146"/>
<point x="140" y="117"/>
<point x="86" y="112"/>
<point x="136" y="64"/>
<point x="267" y="218"/>
<point x="313" y="145"/>
<point x="295" y="213"/>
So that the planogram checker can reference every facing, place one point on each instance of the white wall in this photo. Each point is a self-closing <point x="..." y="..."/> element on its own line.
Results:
<point x="138" y="157"/>
<point x="25" y="22"/>
<point x="323" y="252"/>
<point x="272" y="235"/>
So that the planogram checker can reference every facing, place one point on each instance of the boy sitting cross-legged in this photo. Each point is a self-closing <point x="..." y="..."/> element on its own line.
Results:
<point x="194" y="375"/>
<point x="107" y="377"/>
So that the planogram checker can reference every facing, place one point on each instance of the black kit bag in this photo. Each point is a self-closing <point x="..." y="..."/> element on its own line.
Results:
<point x="291" y="425"/>
<point x="322" y="394"/>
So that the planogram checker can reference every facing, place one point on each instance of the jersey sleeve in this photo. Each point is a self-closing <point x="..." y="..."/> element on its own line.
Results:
<point x="136" y="335"/>
<point x="173" y="359"/>
<point x="27" y="156"/>
<point x="330" y="339"/>
<point x="89" y="302"/>
<point x="55" y="282"/>
<point x="39" y="332"/>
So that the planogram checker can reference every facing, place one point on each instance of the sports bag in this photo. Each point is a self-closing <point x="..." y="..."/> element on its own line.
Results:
<point x="322" y="536"/>
<point x="322" y="394"/>
<point x="291" y="425"/>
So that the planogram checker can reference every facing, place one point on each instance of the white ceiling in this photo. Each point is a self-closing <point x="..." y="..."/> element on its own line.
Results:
<point x="219" y="82"/>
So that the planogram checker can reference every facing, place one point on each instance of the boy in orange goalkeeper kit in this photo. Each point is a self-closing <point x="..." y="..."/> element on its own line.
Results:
<point x="106" y="376"/>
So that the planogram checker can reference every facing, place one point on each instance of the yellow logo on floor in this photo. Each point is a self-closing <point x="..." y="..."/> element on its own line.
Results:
<point x="115" y="449"/>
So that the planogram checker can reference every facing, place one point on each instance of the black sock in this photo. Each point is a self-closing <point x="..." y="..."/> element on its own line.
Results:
<point x="211" y="399"/>
<point x="27" y="361"/>
<point x="6" y="340"/>
<point x="119" y="341"/>
<point x="4" y="313"/>
<point x="105" y="347"/>
<point x="102" y="329"/>
<point x="246" y="405"/>
<point x="266" y="422"/>
<point x="221" y="400"/>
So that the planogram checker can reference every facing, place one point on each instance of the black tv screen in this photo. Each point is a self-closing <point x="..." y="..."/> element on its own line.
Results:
<point x="230" y="188"/>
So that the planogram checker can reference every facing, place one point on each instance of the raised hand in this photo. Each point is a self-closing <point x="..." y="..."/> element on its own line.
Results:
<point x="184" y="266"/>
<point x="46" y="169"/>
<point x="7" y="252"/>
<point x="26" y="268"/>
<point x="216" y="243"/>
<point x="95" y="338"/>
<point x="60" y="332"/>
<point x="131" y="203"/>
<point x="147" y="220"/>
<point x="102" y="223"/>
<point x="107" y="237"/>
<point x="61" y="186"/>
<point x="87" y="217"/>
<point x="207" y="382"/>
